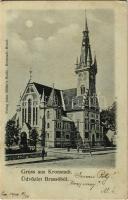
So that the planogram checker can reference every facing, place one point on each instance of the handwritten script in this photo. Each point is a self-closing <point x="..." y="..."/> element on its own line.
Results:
<point x="14" y="195"/>
<point x="101" y="180"/>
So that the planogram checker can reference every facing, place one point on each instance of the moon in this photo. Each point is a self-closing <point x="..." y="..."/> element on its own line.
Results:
<point x="29" y="23"/>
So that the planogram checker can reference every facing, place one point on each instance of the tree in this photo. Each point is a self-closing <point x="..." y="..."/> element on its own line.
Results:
<point x="108" y="117"/>
<point x="23" y="142"/>
<point x="33" y="137"/>
<point x="12" y="133"/>
<point x="108" y="121"/>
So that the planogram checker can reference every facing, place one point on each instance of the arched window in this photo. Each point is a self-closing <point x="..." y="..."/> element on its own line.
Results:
<point x="36" y="115"/>
<point x="22" y="116"/>
<point x="56" y="100"/>
<point x="29" y="110"/>
<point x="48" y="114"/>
<point x="57" y="114"/>
<point x="82" y="89"/>
<point x="48" y="125"/>
<point x="58" y="134"/>
<point x="25" y="115"/>
<point x="67" y="136"/>
<point x="29" y="90"/>
<point x="86" y="124"/>
<point x="33" y="115"/>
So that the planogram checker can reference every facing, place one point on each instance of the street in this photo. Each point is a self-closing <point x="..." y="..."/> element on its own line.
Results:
<point x="94" y="161"/>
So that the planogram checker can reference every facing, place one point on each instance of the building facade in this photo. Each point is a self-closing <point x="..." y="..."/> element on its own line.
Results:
<point x="65" y="117"/>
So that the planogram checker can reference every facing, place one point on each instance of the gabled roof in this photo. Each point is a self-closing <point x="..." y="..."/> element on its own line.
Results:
<point x="47" y="91"/>
<point x="40" y="88"/>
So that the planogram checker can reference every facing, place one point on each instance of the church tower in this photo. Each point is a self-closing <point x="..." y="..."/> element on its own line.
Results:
<point x="86" y="69"/>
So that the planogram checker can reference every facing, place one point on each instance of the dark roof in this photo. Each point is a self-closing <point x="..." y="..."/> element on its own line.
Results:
<point x="74" y="102"/>
<point x="47" y="91"/>
<point x="68" y="95"/>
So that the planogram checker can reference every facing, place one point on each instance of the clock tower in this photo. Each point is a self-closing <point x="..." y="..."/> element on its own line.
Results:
<point x="86" y="69"/>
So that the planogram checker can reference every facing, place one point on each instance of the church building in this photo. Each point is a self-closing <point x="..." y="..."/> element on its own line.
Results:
<point x="65" y="117"/>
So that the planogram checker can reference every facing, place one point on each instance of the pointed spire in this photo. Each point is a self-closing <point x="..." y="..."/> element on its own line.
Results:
<point x="95" y="60"/>
<point x="42" y="101"/>
<point x="43" y="97"/>
<point x="86" y="23"/>
<point x="77" y="62"/>
<point x="52" y="100"/>
<point x="85" y="56"/>
<point x="19" y="102"/>
<point x="20" y="98"/>
<point x="95" y="63"/>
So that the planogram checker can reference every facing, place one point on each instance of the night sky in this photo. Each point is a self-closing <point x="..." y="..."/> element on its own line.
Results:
<point x="49" y="42"/>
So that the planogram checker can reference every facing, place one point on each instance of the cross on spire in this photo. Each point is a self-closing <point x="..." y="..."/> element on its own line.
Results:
<point x="30" y="74"/>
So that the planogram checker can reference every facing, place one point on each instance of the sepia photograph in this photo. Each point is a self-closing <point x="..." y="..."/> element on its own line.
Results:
<point x="63" y="100"/>
<point x="61" y="93"/>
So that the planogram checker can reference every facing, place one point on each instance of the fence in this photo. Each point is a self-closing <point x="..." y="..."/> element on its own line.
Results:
<point x="22" y="156"/>
<point x="60" y="150"/>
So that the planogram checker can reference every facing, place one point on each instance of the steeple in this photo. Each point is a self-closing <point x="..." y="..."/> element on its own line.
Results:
<point x="86" y="23"/>
<point x="86" y="56"/>
<point x="85" y="67"/>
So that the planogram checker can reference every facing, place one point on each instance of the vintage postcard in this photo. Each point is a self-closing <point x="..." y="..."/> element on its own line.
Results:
<point x="63" y="81"/>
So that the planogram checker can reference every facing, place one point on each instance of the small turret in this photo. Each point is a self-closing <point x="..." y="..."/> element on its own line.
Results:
<point x="77" y="62"/>
<point x="19" y="104"/>
<point x="42" y="97"/>
<point x="95" y="63"/>
<point x="89" y="57"/>
<point x="42" y="101"/>
<point x="30" y="74"/>
<point x="52" y="98"/>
